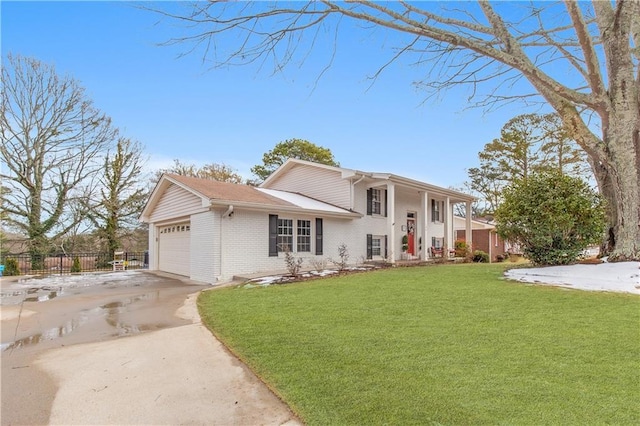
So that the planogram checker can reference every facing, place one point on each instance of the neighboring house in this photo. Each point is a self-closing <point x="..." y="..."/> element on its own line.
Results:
<point x="14" y="243"/>
<point x="484" y="235"/>
<point x="211" y="231"/>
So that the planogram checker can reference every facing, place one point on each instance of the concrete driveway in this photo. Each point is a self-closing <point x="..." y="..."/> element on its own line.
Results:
<point x="125" y="348"/>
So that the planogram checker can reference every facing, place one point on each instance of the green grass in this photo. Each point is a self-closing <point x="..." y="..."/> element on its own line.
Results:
<point x="451" y="344"/>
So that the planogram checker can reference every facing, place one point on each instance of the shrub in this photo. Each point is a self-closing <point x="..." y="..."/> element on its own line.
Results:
<point x="500" y="258"/>
<point x="11" y="267"/>
<point x="480" y="256"/>
<point x="461" y="248"/>
<point x="343" y="253"/>
<point x="75" y="267"/>
<point x="294" y="264"/>
<point x="319" y="264"/>
<point x="553" y="217"/>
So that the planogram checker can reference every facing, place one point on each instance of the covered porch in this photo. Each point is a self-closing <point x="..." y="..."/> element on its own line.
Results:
<point x="420" y="219"/>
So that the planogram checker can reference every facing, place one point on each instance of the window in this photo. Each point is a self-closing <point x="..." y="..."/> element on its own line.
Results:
<point x="171" y="229"/>
<point x="376" y="246"/>
<point x="304" y="236"/>
<point x="437" y="242"/>
<point x="376" y="202"/>
<point x="437" y="208"/>
<point x="285" y="235"/>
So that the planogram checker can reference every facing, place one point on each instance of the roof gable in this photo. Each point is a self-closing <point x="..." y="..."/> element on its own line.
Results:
<point x="218" y="193"/>
<point x="371" y="176"/>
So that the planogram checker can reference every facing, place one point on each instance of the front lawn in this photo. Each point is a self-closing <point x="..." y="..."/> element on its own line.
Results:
<point x="450" y="344"/>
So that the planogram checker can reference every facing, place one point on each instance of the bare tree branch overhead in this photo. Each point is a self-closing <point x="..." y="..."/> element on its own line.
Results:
<point x="580" y="58"/>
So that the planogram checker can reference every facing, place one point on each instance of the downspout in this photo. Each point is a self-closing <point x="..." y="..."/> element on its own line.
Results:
<point x="353" y="185"/>
<point x="229" y="211"/>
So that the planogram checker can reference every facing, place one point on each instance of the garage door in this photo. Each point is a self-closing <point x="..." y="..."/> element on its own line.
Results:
<point x="174" y="249"/>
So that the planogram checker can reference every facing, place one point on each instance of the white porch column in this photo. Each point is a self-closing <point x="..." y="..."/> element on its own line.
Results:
<point x="423" y="222"/>
<point x="448" y="229"/>
<point x="468" y="229"/>
<point x="391" y="221"/>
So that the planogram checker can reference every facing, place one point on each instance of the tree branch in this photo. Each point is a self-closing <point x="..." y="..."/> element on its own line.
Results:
<point x="593" y="76"/>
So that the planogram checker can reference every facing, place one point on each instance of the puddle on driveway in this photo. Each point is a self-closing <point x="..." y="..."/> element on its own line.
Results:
<point x="50" y="334"/>
<point x="112" y="313"/>
<point x="32" y="294"/>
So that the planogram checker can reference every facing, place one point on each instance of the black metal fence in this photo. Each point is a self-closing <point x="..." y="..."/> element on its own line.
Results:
<point x="29" y="264"/>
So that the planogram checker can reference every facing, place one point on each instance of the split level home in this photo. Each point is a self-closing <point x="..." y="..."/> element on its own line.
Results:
<point x="210" y="231"/>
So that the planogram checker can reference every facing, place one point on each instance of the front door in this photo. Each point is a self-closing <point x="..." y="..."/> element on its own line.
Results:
<point x="411" y="235"/>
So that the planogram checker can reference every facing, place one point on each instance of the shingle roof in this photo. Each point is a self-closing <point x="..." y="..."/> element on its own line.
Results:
<point x="215" y="190"/>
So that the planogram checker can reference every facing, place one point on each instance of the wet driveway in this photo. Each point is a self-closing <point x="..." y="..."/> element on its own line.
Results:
<point x="54" y="311"/>
<point x="41" y="314"/>
<point x="124" y="348"/>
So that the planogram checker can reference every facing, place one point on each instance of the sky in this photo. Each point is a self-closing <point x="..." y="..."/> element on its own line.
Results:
<point x="179" y="107"/>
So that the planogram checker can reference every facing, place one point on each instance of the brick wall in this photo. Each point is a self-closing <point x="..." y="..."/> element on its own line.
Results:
<point x="205" y="230"/>
<point x="482" y="238"/>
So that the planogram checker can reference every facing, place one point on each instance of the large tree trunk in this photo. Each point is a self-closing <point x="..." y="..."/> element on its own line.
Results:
<point x="619" y="180"/>
<point x="620" y="114"/>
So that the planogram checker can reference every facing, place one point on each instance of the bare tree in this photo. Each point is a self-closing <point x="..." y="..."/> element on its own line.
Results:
<point x="580" y="58"/>
<point x="213" y="171"/>
<point x="122" y="194"/>
<point x="52" y="138"/>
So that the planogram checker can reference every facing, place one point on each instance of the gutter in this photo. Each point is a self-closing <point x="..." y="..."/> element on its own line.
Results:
<point x="353" y="190"/>
<point x="284" y="208"/>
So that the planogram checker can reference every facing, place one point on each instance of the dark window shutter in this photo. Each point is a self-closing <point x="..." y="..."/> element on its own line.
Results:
<point x="433" y="210"/>
<point x="385" y="203"/>
<point x="442" y="212"/>
<point x="273" y="235"/>
<point x="369" y="246"/>
<point x="318" y="235"/>
<point x="369" y="202"/>
<point x="386" y="252"/>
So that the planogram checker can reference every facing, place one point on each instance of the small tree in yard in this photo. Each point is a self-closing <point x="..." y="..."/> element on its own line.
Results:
<point x="76" y="267"/>
<point x="343" y="254"/>
<point x="294" y="264"/>
<point x="553" y="217"/>
<point x="11" y="267"/>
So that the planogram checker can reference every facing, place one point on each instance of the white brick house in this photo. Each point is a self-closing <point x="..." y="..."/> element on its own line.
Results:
<point x="211" y="231"/>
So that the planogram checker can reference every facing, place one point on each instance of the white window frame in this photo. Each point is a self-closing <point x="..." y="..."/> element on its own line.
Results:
<point x="294" y="237"/>
<point x="285" y="224"/>
<point x="376" y="201"/>
<point x="437" y="242"/>
<point x="436" y="214"/>
<point x="378" y="239"/>
<point x="303" y="235"/>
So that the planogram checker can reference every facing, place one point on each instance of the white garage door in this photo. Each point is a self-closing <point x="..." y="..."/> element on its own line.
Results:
<point x="174" y="249"/>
